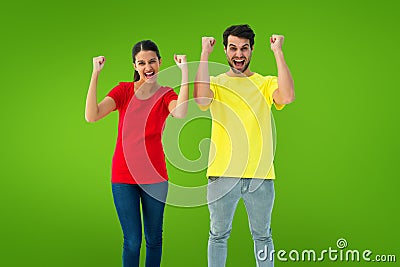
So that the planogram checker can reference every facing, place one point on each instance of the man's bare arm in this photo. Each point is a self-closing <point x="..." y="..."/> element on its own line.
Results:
<point x="202" y="92"/>
<point x="285" y="92"/>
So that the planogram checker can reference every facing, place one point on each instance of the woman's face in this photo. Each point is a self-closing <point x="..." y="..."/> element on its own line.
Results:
<point x="148" y="65"/>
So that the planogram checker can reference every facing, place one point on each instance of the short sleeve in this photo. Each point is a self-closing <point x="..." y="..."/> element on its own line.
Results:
<point x="213" y="83"/>
<point x="118" y="93"/>
<point x="213" y="88"/>
<point x="169" y="96"/>
<point x="270" y="85"/>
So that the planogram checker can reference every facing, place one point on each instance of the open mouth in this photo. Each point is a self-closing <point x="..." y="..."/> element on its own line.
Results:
<point x="149" y="75"/>
<point x="238" y="63"/>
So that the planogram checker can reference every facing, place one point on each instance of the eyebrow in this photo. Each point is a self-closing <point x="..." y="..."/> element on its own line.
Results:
<point x="232" y="45"/>
<point x="141" y="60"/>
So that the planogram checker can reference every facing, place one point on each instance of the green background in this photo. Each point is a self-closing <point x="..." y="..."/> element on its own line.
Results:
<point x="337" y="153"/>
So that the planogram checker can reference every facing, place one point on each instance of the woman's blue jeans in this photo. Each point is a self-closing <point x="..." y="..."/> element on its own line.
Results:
<point x="127" y="199"/>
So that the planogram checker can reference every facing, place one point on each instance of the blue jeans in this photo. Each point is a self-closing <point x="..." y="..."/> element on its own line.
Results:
<point x="223" y="195"/>
<point x="127" y="198"/>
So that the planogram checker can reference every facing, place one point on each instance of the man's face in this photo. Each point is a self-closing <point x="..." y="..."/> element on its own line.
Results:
<point x="238" y="52"/>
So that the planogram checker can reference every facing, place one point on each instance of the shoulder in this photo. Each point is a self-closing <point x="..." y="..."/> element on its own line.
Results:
<point x="218" y="81"/>
<point x="168" y="94"/>
<point x="121" y="93"/>
<point x="257" y="77"/>
<point x="219" y="78"/>
<point x="261" y="80"/>
<point x="126" y="85"/>
<point x="123" y="87"/>
<point x="166" y="90"/>
<point x="271" y="81"/>
<point x="264" y="78"/>
<point x="127" y="88"/>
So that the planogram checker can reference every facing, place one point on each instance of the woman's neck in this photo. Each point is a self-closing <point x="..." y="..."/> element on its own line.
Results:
<point x="144" y="90"/>
<point x="145" y="87"/>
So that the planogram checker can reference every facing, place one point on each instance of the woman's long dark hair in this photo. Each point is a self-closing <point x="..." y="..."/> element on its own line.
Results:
<point x="145" y="45"/>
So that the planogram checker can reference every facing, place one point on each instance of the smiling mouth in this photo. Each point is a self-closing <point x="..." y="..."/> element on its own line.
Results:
<point x="238" y="63"/>
<point x="149" y="75"/>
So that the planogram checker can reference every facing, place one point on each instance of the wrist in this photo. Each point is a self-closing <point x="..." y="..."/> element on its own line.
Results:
<point x="184" y="69"/>
<point x="204" y="56"/>
<point x="95" y="72"/>
<point x="278" y="52"/>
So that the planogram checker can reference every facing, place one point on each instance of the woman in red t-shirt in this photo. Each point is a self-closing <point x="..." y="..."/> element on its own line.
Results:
<point x="139" y="173"/>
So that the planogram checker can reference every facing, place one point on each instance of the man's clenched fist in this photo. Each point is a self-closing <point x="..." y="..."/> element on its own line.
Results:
<point x="276" y="42"/>
<point x="207" y="44"/>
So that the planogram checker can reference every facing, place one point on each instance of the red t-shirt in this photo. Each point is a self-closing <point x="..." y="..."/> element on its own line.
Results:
<point x="139" y="155"/>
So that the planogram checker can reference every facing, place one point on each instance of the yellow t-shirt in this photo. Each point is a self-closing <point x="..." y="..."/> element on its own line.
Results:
<point x="242" y="143"/>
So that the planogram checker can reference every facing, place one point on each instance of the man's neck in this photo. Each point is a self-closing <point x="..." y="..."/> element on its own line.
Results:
<point x="246" y="73"/>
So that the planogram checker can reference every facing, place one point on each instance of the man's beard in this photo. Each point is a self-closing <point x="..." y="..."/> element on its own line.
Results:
<point x="236" y="70"/>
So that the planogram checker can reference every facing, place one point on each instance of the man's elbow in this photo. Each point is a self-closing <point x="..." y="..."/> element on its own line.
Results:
<point x="290" y="97"/>
<point x="285" y="100"/>
<point x="289" y="100"/>
<point x="196" y="90"/>
<point x="201" y="93"/>
<point x="202" y="101"/>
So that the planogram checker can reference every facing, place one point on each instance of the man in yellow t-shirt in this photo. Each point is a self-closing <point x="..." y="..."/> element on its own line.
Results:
<point x="242" y="143"/>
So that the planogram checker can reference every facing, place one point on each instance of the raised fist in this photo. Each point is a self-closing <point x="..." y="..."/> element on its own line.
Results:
<point x="207" y="44"/>
<point x="98" y="63"/>
<point x="276" y="42"/>
<point x="180" y="60"/>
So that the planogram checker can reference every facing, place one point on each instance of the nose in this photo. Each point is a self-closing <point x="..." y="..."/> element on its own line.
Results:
<point x="239" y="53"/>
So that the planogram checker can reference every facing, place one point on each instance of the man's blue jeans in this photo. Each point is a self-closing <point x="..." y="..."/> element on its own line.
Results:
<point x="223" y="195"/>
<point x="127" y="198"/>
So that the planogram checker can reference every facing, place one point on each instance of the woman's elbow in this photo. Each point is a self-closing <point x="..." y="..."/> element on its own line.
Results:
<point x="90" y="118"/>
<point x="179" y="115"/>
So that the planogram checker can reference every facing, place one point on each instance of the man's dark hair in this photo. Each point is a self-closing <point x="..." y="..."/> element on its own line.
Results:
<point x="241" y="31"/>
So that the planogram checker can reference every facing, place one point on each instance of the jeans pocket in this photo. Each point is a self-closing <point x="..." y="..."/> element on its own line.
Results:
<point x="213" y="178"/>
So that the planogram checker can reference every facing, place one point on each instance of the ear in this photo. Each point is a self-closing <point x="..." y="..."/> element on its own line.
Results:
<point x="159" y="61"/>
<point x="134" y="66"/>
<point x="225" y="49"/>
